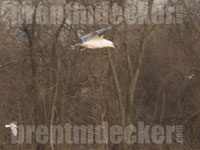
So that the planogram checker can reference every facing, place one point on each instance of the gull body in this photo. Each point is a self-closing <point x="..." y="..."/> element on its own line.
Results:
<point x="98" y="43"/>
<point x="13" y="128"/>
<point x="94" y="40"/>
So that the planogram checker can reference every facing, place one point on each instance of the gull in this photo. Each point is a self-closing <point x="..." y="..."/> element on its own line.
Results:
<point x="13" y="128"/>
<point x="191" y="76"/>
<point x="94" y="40"/>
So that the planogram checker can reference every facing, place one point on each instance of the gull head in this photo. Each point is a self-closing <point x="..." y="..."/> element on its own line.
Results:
<point x="109" y="44"/>
<point x="112" y="45"/>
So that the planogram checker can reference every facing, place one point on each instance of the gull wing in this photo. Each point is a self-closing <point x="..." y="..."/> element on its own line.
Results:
<point x="14" y="130"/>
<point x="96" y="34"/>
<point x="102" y="31"/>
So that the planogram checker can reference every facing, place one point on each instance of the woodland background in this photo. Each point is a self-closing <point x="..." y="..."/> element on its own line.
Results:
<point x="144" y="79"/>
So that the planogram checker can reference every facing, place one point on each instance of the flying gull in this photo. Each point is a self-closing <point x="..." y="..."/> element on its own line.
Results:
<point x="94" y="40"/>
<point x="191" y="76"/>
<point x="13" y="128"/>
